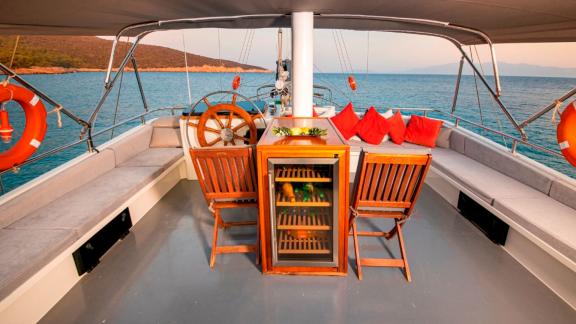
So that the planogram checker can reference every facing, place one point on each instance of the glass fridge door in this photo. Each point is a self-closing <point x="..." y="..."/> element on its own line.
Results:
<point x="304" y="215"/>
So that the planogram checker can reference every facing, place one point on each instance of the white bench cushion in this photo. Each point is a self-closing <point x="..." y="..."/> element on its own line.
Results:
<point x="551" y="221"/>
<point x="133" y="144"/>
<point x="166" y="137"/>
<point x="388" y="148"/>
<point x="508" y="164"/>
<point x="485" y="182"/>
<point x="166" y="121"/>
<point x="160" y="157"/>
<point x="564" y="192"/>
<point x="58" y="185"/>
<point x="24" y="252"/>
<point x="83" y="208"/>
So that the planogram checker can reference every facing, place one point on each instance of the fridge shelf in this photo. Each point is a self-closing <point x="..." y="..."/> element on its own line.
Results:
<point x="320" y="198"/>
<point x="294" y="173"/>
<point x="318" y="219"/>
<point x="315" y="244"/>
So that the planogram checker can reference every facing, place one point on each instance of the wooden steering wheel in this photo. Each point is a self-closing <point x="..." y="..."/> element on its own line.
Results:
<point x="225" y="123"/>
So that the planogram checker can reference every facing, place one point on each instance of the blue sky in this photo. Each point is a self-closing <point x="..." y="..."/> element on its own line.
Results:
<point x="387" y="52"/>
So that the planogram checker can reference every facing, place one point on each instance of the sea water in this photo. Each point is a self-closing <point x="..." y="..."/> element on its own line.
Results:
<point x="80" y="92"/>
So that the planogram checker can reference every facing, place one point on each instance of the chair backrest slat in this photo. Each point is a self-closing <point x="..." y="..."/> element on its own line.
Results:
<point x="389" y="181"/>
<point x="227" y="173"/>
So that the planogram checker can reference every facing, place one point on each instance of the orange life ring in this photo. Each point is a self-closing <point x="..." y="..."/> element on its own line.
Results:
<point x="352" y="82"/>
<point x="236" y="82"/>
<point x="35" y="128"/>
<point x="566" y="133"/>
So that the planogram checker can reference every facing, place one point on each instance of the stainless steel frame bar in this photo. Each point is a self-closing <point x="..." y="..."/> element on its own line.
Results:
<point x="13" y="75"/>
<point x="109" y="84"/>
<point x="494" y="94"/>
<point x="546" y="109"/>
<point x="436" y="23"/>
<point x="82" y="140"/>
<point x="457" y="88"/>
<point x="140" y="88"/>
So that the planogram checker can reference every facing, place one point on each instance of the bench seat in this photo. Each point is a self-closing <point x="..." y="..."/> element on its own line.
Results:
<point x="155" y="157"/>
<point x="551" y="221"/>
<point x="534" y="200"/>
<point x="484" y="181"/>
<point x="42" y="222"/>
<point x="24" y="252"/>
<point x="86" y="206"/>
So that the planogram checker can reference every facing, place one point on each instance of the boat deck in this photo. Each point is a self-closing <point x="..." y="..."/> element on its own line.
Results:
<point x="159" y="274"/>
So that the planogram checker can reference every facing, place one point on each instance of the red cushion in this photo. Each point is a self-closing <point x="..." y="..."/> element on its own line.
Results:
<point x="397" y="128"/>
<point x="423" y="131"/>
<point x="373" y="127"/>
<point x="345" y="121"/>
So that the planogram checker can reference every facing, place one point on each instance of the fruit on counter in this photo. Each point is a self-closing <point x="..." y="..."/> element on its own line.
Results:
<point x="296" y="131"/>
<point x="299" y="131"/>
<point x="315" y="131"/>
<point x="288" y="191"/>
<point x="281" y="131"/>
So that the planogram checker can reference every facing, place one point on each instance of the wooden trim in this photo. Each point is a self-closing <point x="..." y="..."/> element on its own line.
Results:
<point x="272" y="148"/>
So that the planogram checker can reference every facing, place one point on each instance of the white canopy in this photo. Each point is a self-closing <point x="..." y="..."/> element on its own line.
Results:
<point x="505" y="21"/>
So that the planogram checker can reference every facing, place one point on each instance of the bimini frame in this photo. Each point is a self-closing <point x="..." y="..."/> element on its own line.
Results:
<point x="143" y="29"/>
<point x="138" y="31"/>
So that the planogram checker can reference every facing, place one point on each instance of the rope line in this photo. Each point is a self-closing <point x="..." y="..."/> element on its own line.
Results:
<point x="14" y="51"/>
<point x="477" y="91"/>
<point x="332" y="85"/>
<point x="498" y="121"/>
<point x="556" y="110"/>
<point x="346" y="52"/>
<point x="187" y="73"/>
<point x="337" y="44"/>
<point x="58" y="115"/>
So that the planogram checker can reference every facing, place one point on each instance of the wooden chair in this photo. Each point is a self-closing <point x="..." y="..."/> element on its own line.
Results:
<point x="386" y="186"/>
<point x="227" y="176"/>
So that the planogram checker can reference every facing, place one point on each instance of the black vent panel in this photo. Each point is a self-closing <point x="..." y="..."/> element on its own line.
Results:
<point x="493" y="227"/>
<point x="88" y="255"/>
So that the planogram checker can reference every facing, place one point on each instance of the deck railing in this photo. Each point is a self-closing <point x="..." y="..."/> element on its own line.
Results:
<point x="67" y="146"/>
<point x="456" y="120"/>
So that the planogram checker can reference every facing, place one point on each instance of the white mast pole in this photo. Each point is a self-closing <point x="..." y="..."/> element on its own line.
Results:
<point x="303" y="63"/>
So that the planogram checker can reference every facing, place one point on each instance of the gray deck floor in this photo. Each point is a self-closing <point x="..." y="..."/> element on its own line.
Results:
<point x="159" y="274"/>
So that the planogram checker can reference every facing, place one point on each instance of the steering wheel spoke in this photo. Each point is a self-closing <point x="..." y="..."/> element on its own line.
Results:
<point x="211" y="143"/>
<point x="212" y="130"/>
<point x="207" y="102"/>
<point x="230" y="118"/>
<point x="224" y="116"/>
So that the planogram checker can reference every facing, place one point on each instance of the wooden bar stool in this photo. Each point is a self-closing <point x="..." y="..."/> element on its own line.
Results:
<point x="386" y="186"/>
<point x="227" y="176"/>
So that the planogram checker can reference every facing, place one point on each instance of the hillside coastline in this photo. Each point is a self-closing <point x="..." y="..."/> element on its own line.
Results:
<point x="66" y="54"/>
<point x="191" y="69"/>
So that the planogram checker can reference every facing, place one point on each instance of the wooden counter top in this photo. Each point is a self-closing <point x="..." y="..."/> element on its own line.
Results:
<point x="332" y="139"/>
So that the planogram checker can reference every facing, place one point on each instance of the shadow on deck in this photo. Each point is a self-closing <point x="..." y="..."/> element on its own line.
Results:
<point x="159" y="274"/>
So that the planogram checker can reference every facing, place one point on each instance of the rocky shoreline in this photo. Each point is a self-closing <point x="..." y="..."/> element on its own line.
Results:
<point x="192" y="69"/>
